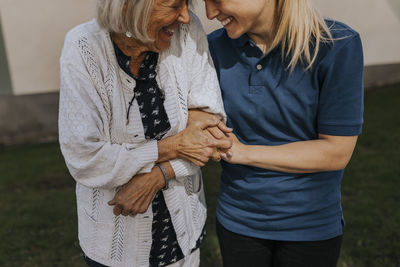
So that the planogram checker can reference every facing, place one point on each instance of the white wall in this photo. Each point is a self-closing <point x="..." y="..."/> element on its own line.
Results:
<point x="378" y="22"/>
<point x="33" y="32"/>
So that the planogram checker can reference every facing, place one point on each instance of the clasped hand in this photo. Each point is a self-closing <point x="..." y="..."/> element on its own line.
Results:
<point x="207" y="137"/>
<point x="135" y="196"/>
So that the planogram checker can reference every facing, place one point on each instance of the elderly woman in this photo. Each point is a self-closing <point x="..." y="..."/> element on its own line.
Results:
<point x="128" y="79"/>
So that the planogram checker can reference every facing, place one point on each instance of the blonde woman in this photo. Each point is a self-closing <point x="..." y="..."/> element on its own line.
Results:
<point x="128" y="78"/>
<point x="292" y="87"/>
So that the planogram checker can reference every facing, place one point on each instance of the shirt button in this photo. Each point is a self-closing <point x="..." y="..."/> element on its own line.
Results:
<point x="259" y="67"/>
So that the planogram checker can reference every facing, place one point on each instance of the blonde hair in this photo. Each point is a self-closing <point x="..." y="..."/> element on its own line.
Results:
<point x="109" y="15"/>
<point x="300" y="29"/>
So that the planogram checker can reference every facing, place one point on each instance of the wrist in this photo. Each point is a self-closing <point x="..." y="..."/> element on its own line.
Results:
<point x="167" y="148"/>
<point x="159" y="182"/>
<point x="241" y="155"/>
<point x="164" y="175"/>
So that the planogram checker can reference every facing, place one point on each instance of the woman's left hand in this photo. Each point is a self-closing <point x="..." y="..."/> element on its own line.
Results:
<point x="221" y="131"/>
<point x="136" y="196"/>
<point x="236" y="152"/>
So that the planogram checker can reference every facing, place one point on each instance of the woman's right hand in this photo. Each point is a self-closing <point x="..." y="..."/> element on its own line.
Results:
<point x="204" y="120"/>
<point x="205" y="137"/>
<point x="197" y="145"/>
<point x="220" y="131"/>
<point x="194" y="144"/>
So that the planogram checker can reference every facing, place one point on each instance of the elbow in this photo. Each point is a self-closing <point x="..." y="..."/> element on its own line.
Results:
<point x="338" y="161"/>
<point x="337" y="151"/>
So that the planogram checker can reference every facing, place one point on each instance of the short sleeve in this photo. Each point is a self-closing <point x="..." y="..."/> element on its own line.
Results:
<point x="340" y="74"/>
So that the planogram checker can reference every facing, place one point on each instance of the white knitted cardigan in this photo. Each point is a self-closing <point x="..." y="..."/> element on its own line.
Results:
<point x="103" y="150"/>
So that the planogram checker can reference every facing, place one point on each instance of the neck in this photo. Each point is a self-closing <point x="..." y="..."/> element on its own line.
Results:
<point x="132" y="48"/>
<point x="263" y="31"/>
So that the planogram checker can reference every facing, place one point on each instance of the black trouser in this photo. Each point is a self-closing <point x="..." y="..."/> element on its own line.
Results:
<point x="242" y="251"/>
<point x="92" y="263"/>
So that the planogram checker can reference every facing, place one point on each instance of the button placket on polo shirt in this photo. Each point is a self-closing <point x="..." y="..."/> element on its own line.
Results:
<point x="256" y="85"/>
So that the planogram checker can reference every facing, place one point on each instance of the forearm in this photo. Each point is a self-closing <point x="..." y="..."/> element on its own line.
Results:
<point x="298" y="157"/>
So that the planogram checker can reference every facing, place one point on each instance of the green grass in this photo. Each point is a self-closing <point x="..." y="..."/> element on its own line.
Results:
<point x="37" y="200"/>
<point x="371" y="196"/>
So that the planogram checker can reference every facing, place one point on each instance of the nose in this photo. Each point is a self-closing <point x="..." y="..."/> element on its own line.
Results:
<point x="184" y="16"/>
<point x="211" y="9"/>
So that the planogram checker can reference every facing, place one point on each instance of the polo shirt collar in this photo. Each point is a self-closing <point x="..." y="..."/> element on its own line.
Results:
<point x="241" y="41"/>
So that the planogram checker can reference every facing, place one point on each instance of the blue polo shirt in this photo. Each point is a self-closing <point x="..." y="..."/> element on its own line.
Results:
<point x="268" y="105"/>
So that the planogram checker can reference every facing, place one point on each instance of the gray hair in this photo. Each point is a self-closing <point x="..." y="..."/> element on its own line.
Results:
<point x="109" y="16"/>
<point x="138" y="12"/>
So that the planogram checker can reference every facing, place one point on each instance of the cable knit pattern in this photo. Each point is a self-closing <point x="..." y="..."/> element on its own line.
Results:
<point x="102" y="151"/>
<point x="117" y="246"/>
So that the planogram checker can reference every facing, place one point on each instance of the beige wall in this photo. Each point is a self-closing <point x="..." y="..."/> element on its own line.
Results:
<point x="34" y="31"/>
<point x="378" y="22"/>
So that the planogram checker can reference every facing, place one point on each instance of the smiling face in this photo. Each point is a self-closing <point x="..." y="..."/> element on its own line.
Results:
<point x="164" y="20"/>
<point x="241" y="16"/>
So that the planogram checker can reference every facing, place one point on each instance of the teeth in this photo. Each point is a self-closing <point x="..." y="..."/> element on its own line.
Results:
<point x="170" y="31"/>
<point x="226" y="21"/>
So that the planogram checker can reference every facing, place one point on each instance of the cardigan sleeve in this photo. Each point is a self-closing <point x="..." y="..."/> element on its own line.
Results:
<point x="183" y="168"/>
<point x="84" y="133"/>
<point x="204" y="90"/>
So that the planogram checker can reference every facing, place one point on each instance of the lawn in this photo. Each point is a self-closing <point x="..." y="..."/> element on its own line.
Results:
<point x="37" y="205"/>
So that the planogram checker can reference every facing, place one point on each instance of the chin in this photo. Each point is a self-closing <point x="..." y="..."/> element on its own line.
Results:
<point x="163" y="46"/>
<point x="234" y="31"/>
<point x="233" y="34"/>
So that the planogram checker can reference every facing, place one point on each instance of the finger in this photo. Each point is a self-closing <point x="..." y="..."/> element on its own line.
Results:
<point x="216" y="132"/>
<point x="224" y="128"/>
<point x="117" y="210"/>
<point x="223" y="143"/>
<point x="112" y="202"/>
<point x="125" y="212"/>
<point x="216" y="156"/>
<point x="142" y="204"/>
<point x="198" y="160"/>
<point x="225" y="157"/>
<point x="142" y="208"/>
<point x="209" y="122"/>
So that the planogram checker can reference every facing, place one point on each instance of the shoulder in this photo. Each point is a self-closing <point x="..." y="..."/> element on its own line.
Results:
<point x="86" y="35"/>
<point x="89" y="30"/>
<point x="217" y="36"/>
<point x="342" y="34"/>
<point x="339" y="30"/>
<point x="345" y="42"/>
